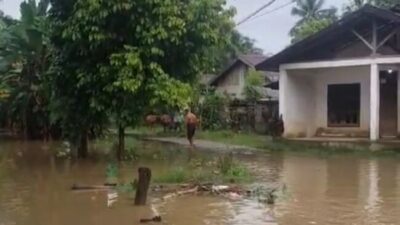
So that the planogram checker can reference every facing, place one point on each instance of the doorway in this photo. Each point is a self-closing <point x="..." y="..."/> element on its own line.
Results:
<point x="388" y="104"/>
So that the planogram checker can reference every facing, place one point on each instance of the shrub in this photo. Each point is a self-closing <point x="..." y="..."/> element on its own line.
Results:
<point x="213" y="111"/>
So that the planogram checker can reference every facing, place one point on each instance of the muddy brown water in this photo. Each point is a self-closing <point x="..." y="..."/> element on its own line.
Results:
<point x="334" y="189"/>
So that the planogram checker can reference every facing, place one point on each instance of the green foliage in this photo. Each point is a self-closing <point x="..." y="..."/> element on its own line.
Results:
<point x="309" y="28"/>
<point x="225" y="163"/>
<point x="24" y="61"/>
<point x="253" y="85"/>
<point x="309" y="10"/>
<point x="314" y="18"/>
<point x="131" y="154"/>
<point x="231" y="169"/>
<point x="176" y="175"/>
<point x="222" y="169"/>
<point x="119" y="58"/>
<point x="213" y="111"/>
<point x="112" y="170"/>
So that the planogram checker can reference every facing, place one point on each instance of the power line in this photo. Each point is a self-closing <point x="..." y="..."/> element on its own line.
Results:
<point x="276" y="9"/>
<point x="256" y="12"/>
<point x="273" y="10"/>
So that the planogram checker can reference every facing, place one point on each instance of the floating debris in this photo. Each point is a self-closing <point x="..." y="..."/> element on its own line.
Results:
<point x="112" y="197"/>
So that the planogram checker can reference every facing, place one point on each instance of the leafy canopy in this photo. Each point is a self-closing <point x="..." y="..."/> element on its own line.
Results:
<point x="309" y="28"/>
<point x="24" y="61"/>
<point x="308" y="10"/>
<point x="121" y="57"/>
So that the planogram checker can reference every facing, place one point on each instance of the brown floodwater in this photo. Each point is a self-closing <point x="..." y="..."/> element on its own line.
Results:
<point x="319" y="189"/>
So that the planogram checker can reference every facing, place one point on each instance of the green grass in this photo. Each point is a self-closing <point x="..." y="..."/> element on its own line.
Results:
<point x="174" y="176"/>
<point x="221" y="169"/>
<point x="266" y="143"/>
<point x="243" y="139"/>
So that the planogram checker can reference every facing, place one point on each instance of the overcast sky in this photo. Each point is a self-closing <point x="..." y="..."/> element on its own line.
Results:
<point x="269" y="31"/>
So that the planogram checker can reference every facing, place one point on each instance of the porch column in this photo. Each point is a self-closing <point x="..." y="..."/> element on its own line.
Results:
<point x="375" y="98"/>
<point x="282" y="93"/>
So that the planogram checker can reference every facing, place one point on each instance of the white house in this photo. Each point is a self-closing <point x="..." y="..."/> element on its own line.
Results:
<point x="232" y="80"/>
<point x="344" y="79"/>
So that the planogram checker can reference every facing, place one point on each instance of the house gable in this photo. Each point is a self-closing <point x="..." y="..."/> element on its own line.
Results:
<point x="232" y="81"/>
<point x="359" y="49"/>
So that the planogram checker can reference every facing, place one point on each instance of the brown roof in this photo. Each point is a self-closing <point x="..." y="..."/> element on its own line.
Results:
<point x="251" y="60"/>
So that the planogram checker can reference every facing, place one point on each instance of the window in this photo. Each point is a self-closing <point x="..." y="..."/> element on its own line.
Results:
<point x="344" y="105"/>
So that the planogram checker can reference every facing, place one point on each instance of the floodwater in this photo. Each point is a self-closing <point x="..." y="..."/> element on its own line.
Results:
<point x="320" y="189"/>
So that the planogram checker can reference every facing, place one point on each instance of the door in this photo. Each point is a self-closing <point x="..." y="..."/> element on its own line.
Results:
<point x="388" y="103"/>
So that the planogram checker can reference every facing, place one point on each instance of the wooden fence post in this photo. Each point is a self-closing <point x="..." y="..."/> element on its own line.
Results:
<point x="143" y="186"/>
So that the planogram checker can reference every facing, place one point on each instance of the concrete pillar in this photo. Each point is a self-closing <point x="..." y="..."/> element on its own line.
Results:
<point x="375" y="102"/>
<point x="283" y="93"/>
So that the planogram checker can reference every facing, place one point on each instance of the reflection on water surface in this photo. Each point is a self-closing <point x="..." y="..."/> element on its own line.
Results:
<point x="339" y="189"/>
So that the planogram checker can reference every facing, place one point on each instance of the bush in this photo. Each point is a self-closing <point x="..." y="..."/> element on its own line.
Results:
<point x="213" y="112"/>
<point x="253" y="85"/>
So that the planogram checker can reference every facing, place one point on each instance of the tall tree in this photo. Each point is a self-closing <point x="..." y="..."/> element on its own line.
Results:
<point x="23" y="63"/>
<point x="118" y="58"/>
<point x="309" y="28"/>
<point x="310" y="11"/>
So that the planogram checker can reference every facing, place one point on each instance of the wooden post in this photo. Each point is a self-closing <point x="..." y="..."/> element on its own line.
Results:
<point x="143" y="186"/>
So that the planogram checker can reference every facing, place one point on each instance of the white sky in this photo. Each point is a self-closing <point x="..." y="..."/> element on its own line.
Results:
<point x="270" y="31"/>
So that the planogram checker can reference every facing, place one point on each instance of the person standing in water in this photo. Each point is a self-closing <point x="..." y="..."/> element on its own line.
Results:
<point x="191" y="124"/>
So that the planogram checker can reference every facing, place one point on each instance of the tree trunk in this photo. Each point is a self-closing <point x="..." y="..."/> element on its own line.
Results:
<point x="143" y="186"/>
<point x="121" y="142"/>
<point x="83" y="144"/>
<point x="25" y="123"/>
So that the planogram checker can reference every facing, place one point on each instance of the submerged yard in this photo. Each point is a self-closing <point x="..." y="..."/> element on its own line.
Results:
<point x="36" y="180"/>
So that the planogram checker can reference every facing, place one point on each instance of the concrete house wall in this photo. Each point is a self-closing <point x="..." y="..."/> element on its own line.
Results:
<point x="307" y="92"/>
<point x="233" y="83"/>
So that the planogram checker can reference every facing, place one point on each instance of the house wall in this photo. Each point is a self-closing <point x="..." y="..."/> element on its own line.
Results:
<point x="300" y="104"/>
<point x="348" y="75"/>
<point x="307" y="93"/>
<point x="233" y="82"/>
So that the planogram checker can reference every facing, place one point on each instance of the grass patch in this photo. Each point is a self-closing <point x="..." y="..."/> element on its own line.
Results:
<point x="222" y="169"/>
<point x="243" y="139"/>
<point x="266" y="143"/>
<point x="175" y="176"/>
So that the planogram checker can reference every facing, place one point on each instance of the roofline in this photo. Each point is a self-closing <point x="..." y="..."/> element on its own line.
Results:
<point x="225" y="71"/>
<point x="367" y="9"/>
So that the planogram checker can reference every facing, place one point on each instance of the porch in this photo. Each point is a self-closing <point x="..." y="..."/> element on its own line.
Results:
<point x="344" y="99"/>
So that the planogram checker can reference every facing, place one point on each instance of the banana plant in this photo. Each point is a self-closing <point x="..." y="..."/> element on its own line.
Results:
<point x="23" y="62"/>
